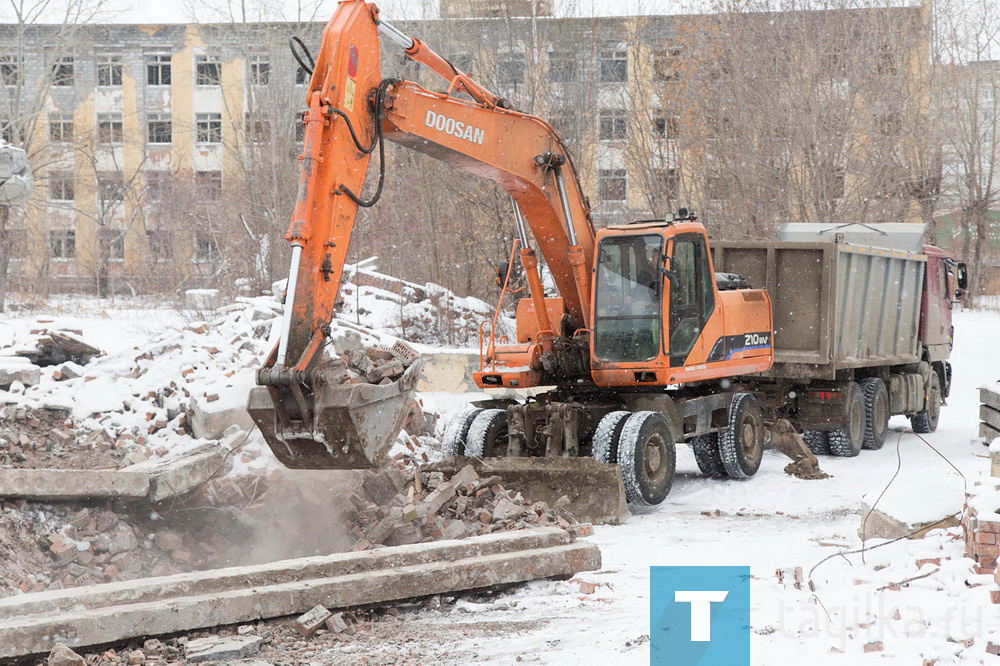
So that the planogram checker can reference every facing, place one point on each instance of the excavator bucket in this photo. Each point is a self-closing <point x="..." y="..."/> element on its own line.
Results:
<point x="353" y="426"/>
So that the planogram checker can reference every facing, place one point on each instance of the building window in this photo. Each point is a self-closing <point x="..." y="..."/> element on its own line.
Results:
<point x="300" y="128"/>
<point x="7" y="130"/>
<point x="208" y="71"/>
<point x="209" y="184"/>
<point x="838" y="184"/>
<point x="669" y="183"/>
<point x="889" y="123"/>
<point x="260" y="70"/>
<point x="510" y="69"/>
<point x="109" y="128"/>
<point x="60" y="127"/>
<point x="10" y="70"/>
<point x="209" y="127"/>
<point x="612" y="125"/>
<point x="62" y="71"/>
<point x="205" y="247"/>
<point x="566" y="122"/>
<point x="715" y="188"/>
<point x="301" y="76"/>
<point x="61" y="186"/>
<point x="109" y="70"/>
<point x="666" y="65"/>
<point x="158" y="69"/>
<point x="110" y="186"/>
<point x="612" y="184"/>
<point x="62" y="243"/>
<point x="113" y="241"/>
<point x="885" y="60"/>
<point x="157" y="184"/>
<point x="614" y="64"/>
<point x="159" y="128"/>
<point x="161" y="244"/>
<point x="562" y="66"/>
<point x="665" y="125"/>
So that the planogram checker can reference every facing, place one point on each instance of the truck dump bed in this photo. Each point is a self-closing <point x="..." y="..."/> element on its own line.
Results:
<point x="839" y="301"/>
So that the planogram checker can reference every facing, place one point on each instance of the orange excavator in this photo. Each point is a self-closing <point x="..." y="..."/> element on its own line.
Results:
<point x="635" y="349"/>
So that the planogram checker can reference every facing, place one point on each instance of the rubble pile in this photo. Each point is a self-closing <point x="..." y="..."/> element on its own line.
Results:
<point x="49" y="438"/>
<point x="399" y="509"/>
<point x="378" y="364"/>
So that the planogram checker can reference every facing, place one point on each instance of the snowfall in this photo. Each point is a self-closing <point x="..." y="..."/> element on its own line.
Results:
<point x="770" y="522"/>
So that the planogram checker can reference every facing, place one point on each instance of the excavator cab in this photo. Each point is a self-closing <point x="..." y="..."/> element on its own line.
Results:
<point x="658" y="315"/>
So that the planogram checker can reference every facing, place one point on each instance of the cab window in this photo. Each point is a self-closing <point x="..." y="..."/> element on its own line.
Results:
<point x="692" y="298"/>
<point x="629" y="288"/>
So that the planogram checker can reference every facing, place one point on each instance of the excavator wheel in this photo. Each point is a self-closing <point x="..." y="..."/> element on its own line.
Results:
<point x="927" y="420"/>
<point x="457" y="432"/>
<point x="648" y="459"/>
<point x="605" y="444"/>
<point x="706" y="454"/>
<point x="817" y="442"/>
<point x="488" y="435"/>
<point x="876" y="412"/>
<point x="846" y="442"/>
<point x="741" y="445"/>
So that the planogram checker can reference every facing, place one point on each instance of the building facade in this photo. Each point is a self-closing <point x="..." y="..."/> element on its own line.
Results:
<point x="165" y="155"/>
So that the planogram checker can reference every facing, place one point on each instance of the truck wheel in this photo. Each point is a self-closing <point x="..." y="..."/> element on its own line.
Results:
<point x="488" y="435"/>
<point x="741" y="445"/>
<point x="457" y="431"/>
<point x="648" y="458"/>
<point x="927" y="420"/>
<point x="846" y="442"/>
<point x="876" y="412"/>
<point x="817" y="442"/>
<point x="605" y="444"/>
<point x="706" y="454"/>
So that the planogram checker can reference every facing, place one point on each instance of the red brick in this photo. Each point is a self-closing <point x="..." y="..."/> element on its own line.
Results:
<point x="111" y="572"/>
<point x="930" y="560"/>
<point x="985" y="537"/>
<point x="993" y="648"/>
<point x="995" y="596"/>
<point x="989" y="526"/>
<point x="181" y="555"/>
<point x="874" y="646"/>
<point x="987" y="549"/>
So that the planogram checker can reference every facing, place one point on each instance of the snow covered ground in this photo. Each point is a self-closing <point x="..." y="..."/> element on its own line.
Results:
<point x="774" y="521"/>
<point x="770" y="522"/>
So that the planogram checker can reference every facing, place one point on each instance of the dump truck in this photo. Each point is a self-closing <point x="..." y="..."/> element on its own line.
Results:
<point x="862" y="330"/>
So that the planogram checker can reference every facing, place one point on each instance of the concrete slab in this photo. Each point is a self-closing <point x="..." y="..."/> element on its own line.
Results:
<point x="33" y="623"/>
<point x="59" y="484"/>
<point x="594" y="488"/>
<point x="176" y="476"/>
<point x="214" y="648"/>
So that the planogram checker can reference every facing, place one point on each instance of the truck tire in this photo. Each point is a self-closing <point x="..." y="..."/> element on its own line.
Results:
<point x="741" y="445"/>
<point x="457" y="432"/>
<point x="488" y="435"/>
<point x="648" y="458"/>
<point x="927" y="420"/>
<point x="604" y="447"/>
<point x="817" y="442"/>
<point x="876" y="412"/>
<point x="706" y="454"/>
<point x="846" y="442"/>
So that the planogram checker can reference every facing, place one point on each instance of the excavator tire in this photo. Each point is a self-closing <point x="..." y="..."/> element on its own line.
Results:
<point x="488" y="435"/>
<point x="876" y="412"/>
<point x="605" y="443"/>
<point x="927" y="420"/>
<point x="846" y="442"/>
<point x="741" y="445"/>
<point x="706" y="454"/>
<point x="457" y="432"/>
<point x="648" y="459"/>
<point x="817" y="442"/>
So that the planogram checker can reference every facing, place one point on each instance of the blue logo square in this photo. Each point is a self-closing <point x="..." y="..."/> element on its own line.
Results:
<point x="699" y="616"/>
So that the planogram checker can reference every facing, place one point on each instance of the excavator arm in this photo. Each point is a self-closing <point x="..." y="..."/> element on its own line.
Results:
<point x="351" y="112"/>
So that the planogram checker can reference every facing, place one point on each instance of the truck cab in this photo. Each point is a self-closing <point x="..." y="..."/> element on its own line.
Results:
<point x="945" y="284"/>
<point x="658" y="314"/>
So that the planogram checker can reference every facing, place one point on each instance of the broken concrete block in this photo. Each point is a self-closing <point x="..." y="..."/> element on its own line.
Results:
<point x="16" y="369"/>
<point x="310" y="622"/>
<point x="506" y="510"/>
<point x="168" y="540"/>
<point x="465" y="475"/>
<point x="438" y="498"/>
<point x="339" y="624"/>
<point x="56" y="484"/>
<point x="63" y="656"/>
<point x="878" y="524"/>
<point x="216" y="648"/>
<point x="209" y="419"/>
<point x="175" y="476"/>
<point x="202" y="299"/>
<point x="68" y="370"/>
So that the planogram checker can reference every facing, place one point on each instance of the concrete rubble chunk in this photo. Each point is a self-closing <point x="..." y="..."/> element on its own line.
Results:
<point x="216" y="648"/>
<point x="877" y="524"/>
<point x="14" y="369"/>
<point x="63" y="656"/>
<point x="310" y="622"/>
<point x="176" y="476"/>
<point x="202" y="299"/>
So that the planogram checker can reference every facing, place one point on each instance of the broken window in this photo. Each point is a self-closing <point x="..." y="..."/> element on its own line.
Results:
<point x="10" y="69"/>
<point x="109" y="128"/>
<point x="109" y="70"/>
<point x="208" y="71"/>
<point x="614" y="64"/>
<point x="158" y="69"/>
<point x="62" y="71"/>
<point x="260" y="70"/>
